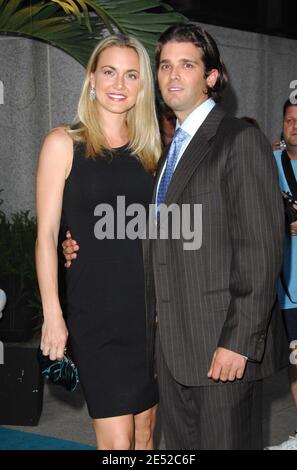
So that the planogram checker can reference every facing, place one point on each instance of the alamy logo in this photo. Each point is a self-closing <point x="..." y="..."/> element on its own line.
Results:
<point x="293" y="94"/>
<point x="172" y="222"/>
<point x="1" y="353"/>
<point x="1" y="92"/>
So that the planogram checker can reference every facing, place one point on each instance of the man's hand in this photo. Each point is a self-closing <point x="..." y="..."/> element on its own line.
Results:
<point x="226" y="365"/>
<point x="69" y="248"/>
<point x="275" y="144"/>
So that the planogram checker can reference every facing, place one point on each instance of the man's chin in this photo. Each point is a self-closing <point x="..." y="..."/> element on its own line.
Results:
<point x="292" y="143"/>
<point x="175" y="105"/>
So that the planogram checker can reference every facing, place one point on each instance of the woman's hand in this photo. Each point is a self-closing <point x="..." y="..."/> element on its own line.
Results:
<point x="54" y="164"/>
<point x="54" y="336"/>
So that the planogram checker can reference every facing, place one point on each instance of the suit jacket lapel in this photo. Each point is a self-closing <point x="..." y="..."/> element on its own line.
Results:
<point x="194" y="154"/>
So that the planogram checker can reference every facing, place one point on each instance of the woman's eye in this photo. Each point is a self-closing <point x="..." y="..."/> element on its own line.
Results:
<point x="132" y="76"/>
<point x="109" y="73"/>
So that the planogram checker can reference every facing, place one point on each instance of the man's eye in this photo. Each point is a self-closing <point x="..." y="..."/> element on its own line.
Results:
<point x="188" y="66"/>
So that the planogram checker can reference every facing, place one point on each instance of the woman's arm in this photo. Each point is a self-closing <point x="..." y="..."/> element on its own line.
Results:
<point x="53" y="168"/>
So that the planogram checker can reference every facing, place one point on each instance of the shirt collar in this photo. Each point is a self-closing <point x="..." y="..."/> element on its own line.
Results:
<point x="192" y="123"/>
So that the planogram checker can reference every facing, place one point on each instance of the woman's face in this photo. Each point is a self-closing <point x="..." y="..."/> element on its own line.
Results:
<point x="116" y="79"/>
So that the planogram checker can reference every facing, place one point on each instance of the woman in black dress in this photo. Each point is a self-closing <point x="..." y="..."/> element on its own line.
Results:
<point x="110" y="152"/>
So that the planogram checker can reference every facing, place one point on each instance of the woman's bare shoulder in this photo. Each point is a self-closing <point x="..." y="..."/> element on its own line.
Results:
<point x="57" y="150"/>
<point x="58" y="137"/>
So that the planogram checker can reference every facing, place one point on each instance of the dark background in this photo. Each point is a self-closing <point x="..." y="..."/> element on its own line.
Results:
<point x="275" y="17"/>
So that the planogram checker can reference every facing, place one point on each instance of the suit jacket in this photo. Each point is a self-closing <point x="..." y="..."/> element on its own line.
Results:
<point x="223" y="294"/>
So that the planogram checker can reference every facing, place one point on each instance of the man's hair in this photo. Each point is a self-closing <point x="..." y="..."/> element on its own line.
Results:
<point x="287" y="104"/>
<point x="251" y="121"/>
<point x="191" y="32"/>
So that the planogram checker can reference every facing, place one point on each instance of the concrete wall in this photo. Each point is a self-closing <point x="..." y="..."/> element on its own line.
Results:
<point x="41" y="89"/>
<point x="41" y="86"/>
<point x="261" y="69"/>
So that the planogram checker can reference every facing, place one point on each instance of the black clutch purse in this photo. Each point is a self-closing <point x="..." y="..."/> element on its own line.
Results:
<point x="60" y="371"/>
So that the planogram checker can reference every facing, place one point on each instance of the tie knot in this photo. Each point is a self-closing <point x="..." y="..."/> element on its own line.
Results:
<point x="180" y="135"/>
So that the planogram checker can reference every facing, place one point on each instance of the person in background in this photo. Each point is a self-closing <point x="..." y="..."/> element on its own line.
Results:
<point x="167" y="121"/>
<point x="287" y="285"/>
<point x="251" y="121"/>
<point x="278" y="144"/>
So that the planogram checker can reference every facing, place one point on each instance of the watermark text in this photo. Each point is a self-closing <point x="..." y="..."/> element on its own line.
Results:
<point x="293" y="94"/>
<point x="1" y="92"/>
<point x="172" y="222"/>
<point x="1" y="353"/>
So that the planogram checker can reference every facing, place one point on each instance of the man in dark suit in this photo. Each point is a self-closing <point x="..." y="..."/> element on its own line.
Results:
<point x="219" y="329"/>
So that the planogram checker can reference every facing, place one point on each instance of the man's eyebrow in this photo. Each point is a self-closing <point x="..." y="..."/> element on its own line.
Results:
<point x="167" y="61"/>
<point x="189" y="60"/>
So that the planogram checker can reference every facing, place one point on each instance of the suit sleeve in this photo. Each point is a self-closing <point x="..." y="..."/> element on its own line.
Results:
<point x="256" y="228"/>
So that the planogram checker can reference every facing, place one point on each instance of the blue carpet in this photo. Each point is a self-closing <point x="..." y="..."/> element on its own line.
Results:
<point x="17" y="440"/>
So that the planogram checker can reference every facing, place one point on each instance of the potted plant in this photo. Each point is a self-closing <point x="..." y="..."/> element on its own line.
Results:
<point x="22" y="314"/>
<point x="75" y="26"/>
<point x="21" y="391"/>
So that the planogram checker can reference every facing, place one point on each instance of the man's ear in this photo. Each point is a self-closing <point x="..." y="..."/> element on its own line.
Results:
<point x="212" y="78"/>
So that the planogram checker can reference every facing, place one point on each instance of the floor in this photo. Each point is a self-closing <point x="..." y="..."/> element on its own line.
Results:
<point x="65" y="415"/>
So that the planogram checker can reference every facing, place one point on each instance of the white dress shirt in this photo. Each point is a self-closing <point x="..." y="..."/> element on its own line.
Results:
<point x="191" y="125"/>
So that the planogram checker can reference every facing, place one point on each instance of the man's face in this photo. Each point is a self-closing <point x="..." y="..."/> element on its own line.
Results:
<point x="181" y="77"/>
<point x="290" y="127"/>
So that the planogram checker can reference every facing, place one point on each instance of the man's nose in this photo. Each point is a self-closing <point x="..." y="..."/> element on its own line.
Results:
<point x="175" y="73"/>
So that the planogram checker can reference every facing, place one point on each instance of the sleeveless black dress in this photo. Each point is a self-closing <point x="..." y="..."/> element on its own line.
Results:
<point x="105" y="286"/>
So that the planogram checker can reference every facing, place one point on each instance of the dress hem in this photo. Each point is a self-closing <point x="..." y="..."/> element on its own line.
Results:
<point x="125" y="412"/>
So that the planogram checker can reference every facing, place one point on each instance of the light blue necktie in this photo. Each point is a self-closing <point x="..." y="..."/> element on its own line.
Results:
<point x="175" y="147"/>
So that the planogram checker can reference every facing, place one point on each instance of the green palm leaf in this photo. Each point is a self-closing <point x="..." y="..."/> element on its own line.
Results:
<point x="75" y="26"/>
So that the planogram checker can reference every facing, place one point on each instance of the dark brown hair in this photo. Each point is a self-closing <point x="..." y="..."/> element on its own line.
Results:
<point x="287" y="105"/>
<point x="191" y="32"/>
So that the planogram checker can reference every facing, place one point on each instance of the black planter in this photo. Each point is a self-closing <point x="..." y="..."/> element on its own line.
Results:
<point x="21" y="390"/>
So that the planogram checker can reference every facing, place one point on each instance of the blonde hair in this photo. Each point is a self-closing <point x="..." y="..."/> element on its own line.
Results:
<point x="141" y="119"/>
